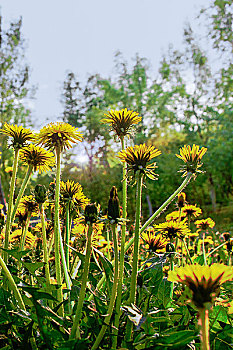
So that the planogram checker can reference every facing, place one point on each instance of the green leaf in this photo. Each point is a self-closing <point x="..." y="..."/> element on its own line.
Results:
<point x="17" y="253"/>
<point x="32" y="267"/>
<point x="163" y="294"/>
<point x="174" y="339"/>
<point x="107" y="265"/>
<point x="37" y="293"/>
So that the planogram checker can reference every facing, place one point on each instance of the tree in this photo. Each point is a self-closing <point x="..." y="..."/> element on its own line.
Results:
<point x="14" y="86"/>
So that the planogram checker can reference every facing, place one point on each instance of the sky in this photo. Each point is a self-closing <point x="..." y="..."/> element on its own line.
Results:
<point x="82" y="37"/>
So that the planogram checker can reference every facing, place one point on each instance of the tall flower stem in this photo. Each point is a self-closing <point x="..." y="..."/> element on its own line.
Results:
<point x="57" y="228"/>
<point x="10" y="204"/>
<point x="133" y="282"/>
<point x="21" y="192"/>
<point x="67" y="235"/>
<point x="204" y="323"/>
<point x="45" y="248"/>
<point x="150" y="220"/>
<point x="113" y="294"/>
<point x="12" y="284"/>
<point x="75" y="332"/>
<point x="167" y="202"/>
<point x="24" y="233"/>
<point x="187" y="251"/>
<point x="203" y="248"/>
<point x="122" y="251"/>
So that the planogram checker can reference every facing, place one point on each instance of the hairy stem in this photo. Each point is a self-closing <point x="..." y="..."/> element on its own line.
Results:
<point x="21" y="192"/>
<point x="12" y="284"/>
<point x="75" y="332"/>
<point x="45" y="248"/>
<point x="57" y="229"/>
<point x="113" y="294"/>
<point x="122" y="252"/>
<point x="10" y="205"/>
<point x="133" y="282"/>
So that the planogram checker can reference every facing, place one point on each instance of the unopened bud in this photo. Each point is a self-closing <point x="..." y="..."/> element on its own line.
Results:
<point x="113" y="205"/>
<point x="90" y="213"/>
<point x="181" y="199"/>
<point x="40" y="194"/>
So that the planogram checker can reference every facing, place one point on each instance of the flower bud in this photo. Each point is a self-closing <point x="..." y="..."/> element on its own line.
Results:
<point x="90" y="213"/>
<point x="113" y="205"/>
<point x="40" y="193"/>
<point x="181" y="200"/>
<point x="170" y="248"/>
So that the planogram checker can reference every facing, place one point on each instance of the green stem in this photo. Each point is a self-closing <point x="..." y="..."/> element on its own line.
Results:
<point x="203" y="248"/>
<point x="21" y="192"/>
<point x="214" y="250"/>
<point x="122" y="252"/>
<point x="172" y="283"/>
<point x="133" y="282"/>
<point x="12" y="284"/>
<point x="113" y="294"/>
<point x="10" y="205"/>
<point x="66" y="273"/>
<point x="204" y="322"/>
<point x="108" y="241"/>
<point x="187" y="251"/>
<point x="67" y="235"/>
<point x="24" y="234"/>
<point x="167" y="202"/>
<point x="45" y="248"/>
<point x="75" y="332"/>
<point x="149" y="221"/>
<point x="57" y="229"/>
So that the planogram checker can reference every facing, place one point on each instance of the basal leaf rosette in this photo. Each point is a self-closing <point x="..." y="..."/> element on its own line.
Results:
<point x="203" y="281"/>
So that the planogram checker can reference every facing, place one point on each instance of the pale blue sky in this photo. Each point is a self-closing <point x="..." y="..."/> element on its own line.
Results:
<point x="83" y="36"/>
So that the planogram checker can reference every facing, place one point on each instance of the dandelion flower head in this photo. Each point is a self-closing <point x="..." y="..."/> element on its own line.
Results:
<point x="203" y="281"/>
<point x="58" y="135"/>
<point x="122" y="121"/>
<point x="19" y="134"/>
<point x="191" y="157"/>
<point x="139" y="158"/>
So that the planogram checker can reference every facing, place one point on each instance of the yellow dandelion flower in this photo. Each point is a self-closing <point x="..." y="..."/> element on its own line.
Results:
<point x="203" y="281"/>
<point x="139" y="157"/>
<point x="173" y="229"/>
<point x="28" y="205"/>
<point x="19" y="134"/>
<point x="79" y="231"/>
<point x="38" y="157"/>
<point x="204" y="224"/>
<point x="154" y="242"/>
<point x="73" y="192"/>
<point x="191" y="210"/>
<point x="58" y="135"/>
<point x="9" y="170"/>
<point x="176" y="215"/>
<point x="191" y="157"/>
<point x="122" y="121"/>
